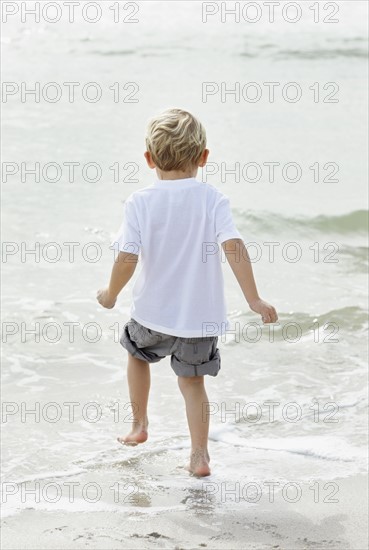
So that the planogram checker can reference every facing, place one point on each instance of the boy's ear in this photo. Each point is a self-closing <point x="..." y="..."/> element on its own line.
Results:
<point x="150" y="162"/>
<point x="204" y="158"/>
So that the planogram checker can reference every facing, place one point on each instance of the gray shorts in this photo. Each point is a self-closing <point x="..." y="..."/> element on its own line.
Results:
<point x="189" y="356"/>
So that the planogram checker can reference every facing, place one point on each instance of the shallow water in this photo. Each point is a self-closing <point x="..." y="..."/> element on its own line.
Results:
<point x="317" y="364"/>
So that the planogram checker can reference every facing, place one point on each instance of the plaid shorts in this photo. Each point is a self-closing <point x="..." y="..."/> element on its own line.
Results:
<point x="189" y="356"/>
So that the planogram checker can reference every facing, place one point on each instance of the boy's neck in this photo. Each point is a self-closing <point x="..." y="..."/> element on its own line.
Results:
<point x="176" y="174"/>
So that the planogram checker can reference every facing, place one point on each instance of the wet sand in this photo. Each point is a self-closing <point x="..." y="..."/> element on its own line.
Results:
<point x="280" y="525"/>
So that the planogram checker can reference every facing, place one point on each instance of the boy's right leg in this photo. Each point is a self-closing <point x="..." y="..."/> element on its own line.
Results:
<point x="138" y="375"/>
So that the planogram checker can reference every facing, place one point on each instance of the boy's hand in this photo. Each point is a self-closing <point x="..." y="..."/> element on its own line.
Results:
<point x="267" y="312"/>
<point x="105" y="299"/>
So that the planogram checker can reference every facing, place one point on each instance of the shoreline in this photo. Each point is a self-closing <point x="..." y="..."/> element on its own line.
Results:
<point x="280" y="525"/>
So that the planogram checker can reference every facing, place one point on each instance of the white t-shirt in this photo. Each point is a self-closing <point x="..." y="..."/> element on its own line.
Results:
<point x="177" y="227"/>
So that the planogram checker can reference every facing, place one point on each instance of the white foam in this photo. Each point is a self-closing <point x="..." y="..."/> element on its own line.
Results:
<point x="320" y="447"/>
<point x="79" y="505"/>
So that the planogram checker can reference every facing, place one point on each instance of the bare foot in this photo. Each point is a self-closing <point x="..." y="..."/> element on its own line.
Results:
<point x="137" y="435"/>
<point x="199" y="463"/>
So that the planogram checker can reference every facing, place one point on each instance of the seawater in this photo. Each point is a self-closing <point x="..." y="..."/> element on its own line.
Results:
<point x="290" y="401"/>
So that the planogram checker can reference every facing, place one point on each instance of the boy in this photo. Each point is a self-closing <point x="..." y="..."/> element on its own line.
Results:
<point x="176" y="226"/>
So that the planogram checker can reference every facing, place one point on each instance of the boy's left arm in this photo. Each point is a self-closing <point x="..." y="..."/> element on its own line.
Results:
<point x="123" y="269"/>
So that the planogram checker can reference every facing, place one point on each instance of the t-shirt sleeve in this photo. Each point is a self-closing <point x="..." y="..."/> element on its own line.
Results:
<point x="128" y="238"/>
<point x="225" y="228"/>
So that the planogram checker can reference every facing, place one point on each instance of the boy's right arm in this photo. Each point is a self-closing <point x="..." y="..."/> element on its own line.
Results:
<point x="239" y="260"/>
<point x="123" y="269"/>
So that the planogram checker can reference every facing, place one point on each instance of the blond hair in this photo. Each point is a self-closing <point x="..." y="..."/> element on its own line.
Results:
<point x="175" y="139"/>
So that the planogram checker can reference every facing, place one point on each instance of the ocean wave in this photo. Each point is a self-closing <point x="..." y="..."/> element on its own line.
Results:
<point x="323" y="53"/>
<point x="352" y="318"/>
<point x="341" y="224"/>
<point x="111" y="53"/>
<point x="316" y="447"/>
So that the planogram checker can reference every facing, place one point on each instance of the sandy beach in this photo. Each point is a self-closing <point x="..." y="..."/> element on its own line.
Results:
<point x="279" y="525"/>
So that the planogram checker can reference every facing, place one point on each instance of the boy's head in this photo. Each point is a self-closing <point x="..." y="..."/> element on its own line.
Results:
<point x="175" y="141"/>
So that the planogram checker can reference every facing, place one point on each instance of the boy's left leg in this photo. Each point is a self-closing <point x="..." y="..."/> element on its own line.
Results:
<point x="138" y="375"/>
<point x="193" y="391"/>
